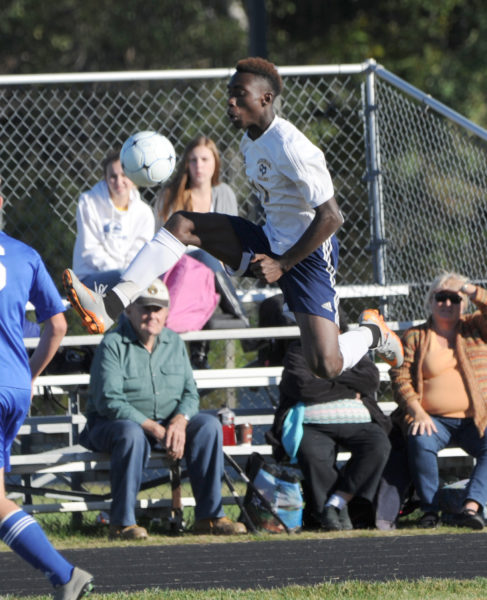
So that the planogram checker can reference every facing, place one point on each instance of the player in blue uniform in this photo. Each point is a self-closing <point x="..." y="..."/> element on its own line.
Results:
<point x="295" y="248"/>
<point x="23" y="278"/>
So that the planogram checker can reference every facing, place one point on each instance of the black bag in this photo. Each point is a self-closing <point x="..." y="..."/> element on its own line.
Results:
<point x="271" y="314"/>
<point x="69" y="360"/>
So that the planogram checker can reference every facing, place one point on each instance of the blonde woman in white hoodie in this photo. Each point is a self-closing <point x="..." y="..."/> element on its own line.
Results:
<point x="113" y="224"/>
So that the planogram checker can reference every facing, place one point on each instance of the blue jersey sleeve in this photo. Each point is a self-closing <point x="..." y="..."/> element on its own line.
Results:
<point x="23" y="278"/>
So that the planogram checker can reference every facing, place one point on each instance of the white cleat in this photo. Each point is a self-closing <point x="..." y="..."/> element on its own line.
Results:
<point x="389" y="347"/>
<point x="80" y="584"/>
<point x="88" y="304"/>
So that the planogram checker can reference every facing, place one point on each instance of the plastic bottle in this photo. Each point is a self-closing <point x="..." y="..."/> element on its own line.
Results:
<point x="227" y="418"/>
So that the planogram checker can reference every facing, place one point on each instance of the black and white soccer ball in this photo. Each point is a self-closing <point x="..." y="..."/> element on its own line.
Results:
<point x="148" y="158"/>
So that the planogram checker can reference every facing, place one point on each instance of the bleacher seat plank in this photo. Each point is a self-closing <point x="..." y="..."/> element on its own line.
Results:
<point x="344" y="291"/>
<point x="205" y="378"/>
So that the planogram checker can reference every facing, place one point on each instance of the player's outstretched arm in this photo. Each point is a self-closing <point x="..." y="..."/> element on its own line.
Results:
<point x="52" y="334"/>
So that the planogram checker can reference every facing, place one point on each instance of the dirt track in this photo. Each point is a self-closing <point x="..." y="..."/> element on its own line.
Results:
<point x="264" y="564"/>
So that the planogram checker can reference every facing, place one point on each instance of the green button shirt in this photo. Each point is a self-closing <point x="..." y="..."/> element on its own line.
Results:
<point x="128" y="382"/>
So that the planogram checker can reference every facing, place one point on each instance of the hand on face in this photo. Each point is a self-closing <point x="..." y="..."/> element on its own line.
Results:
<point x="448" y="302"/>
<point x="446" y="307"/>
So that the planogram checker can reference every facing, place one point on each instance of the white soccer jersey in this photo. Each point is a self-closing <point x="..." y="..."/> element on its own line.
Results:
<point x="290" y="177"/>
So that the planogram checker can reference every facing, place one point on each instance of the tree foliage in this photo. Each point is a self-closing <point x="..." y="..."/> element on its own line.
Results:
<point x="68" y="35"/>
<point x="437" y="45"/>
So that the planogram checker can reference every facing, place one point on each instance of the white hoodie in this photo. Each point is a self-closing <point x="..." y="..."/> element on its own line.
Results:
<point x="107" y="237"/>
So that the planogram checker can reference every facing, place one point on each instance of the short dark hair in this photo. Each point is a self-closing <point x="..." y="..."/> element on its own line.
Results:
<point x="112" y="156"/>
<point x="263" y="68"/>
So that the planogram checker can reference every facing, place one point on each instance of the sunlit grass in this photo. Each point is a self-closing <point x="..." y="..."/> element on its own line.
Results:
<point x="430" y="589"/>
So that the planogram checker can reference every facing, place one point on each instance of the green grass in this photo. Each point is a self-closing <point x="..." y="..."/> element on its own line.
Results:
<point x="430" y="589"/>
<point x="64" y="534"/>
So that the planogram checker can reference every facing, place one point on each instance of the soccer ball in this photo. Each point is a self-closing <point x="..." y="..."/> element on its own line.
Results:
<point x="148" y="158"/>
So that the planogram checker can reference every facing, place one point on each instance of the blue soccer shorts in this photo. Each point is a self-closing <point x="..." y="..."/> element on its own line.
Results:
<point x="14" y="406"/>
<point x="309" y="287"/>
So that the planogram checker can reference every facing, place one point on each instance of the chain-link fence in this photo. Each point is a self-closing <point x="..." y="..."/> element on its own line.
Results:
<point x="411" y="183"/>
<point x="434" y="184"/>
<point x="55" y="136"/>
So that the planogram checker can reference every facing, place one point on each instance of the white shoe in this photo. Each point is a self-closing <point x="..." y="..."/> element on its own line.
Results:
<point x="389" y="347"/>
<point x="87" y="303"/>
<point x="80" y="584"/>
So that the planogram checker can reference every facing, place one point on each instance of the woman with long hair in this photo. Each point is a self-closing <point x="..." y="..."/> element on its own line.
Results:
<point x="196" y="184"/>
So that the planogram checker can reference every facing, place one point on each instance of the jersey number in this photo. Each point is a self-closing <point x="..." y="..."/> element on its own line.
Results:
<point x="3" y="271"/>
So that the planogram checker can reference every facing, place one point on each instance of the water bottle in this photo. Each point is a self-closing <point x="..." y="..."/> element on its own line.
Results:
<point x="227" y="419"/>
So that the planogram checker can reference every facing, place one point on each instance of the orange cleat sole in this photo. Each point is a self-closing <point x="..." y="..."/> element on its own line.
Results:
<point x="88" y="319"/>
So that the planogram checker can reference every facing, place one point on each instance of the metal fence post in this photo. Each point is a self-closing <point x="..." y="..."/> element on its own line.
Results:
<point x="373" y="177"/>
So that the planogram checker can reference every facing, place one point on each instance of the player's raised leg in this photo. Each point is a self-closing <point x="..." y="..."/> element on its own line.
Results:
<point x="210" y="231"/>
<point x="328" y="352"/>
<point x="319" y="340"/>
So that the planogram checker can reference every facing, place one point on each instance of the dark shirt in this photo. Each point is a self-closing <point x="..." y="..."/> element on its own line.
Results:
<point x="299" y="384"/>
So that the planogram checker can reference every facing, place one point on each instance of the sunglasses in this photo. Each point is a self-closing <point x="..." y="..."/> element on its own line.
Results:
<point x="444" y="296"/>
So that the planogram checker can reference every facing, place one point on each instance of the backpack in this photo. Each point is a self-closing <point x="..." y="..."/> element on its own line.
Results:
<point x="281" y="506"/>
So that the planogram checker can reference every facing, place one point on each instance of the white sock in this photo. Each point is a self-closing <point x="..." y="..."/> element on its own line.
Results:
<point x="336" y="501"/>
<point x="353" y="345"/>
<point x="127" y="292"/>
<point x="154" y="259"/>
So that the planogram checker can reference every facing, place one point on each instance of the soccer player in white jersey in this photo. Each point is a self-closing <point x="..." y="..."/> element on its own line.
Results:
<point x="23" y="278"/>
<point x="295" y="248"/>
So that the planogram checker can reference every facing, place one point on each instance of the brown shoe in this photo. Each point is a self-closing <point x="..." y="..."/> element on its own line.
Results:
<point x="131" y="532"/>
<point x="219" y="526"/>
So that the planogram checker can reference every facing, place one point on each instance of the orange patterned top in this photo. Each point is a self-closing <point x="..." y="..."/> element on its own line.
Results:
<point x="471" y="353"/>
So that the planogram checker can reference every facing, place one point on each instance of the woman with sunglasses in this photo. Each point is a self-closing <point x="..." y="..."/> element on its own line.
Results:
<point x="441" y="389"/>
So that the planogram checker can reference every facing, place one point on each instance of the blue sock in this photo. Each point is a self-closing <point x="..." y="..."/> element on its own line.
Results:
<point x="25" y="537"/>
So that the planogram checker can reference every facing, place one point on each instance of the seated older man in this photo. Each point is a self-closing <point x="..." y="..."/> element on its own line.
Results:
<point x="143" y="393"/>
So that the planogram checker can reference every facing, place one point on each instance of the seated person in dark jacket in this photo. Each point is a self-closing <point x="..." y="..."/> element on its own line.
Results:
<point x="331" y="414"/>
